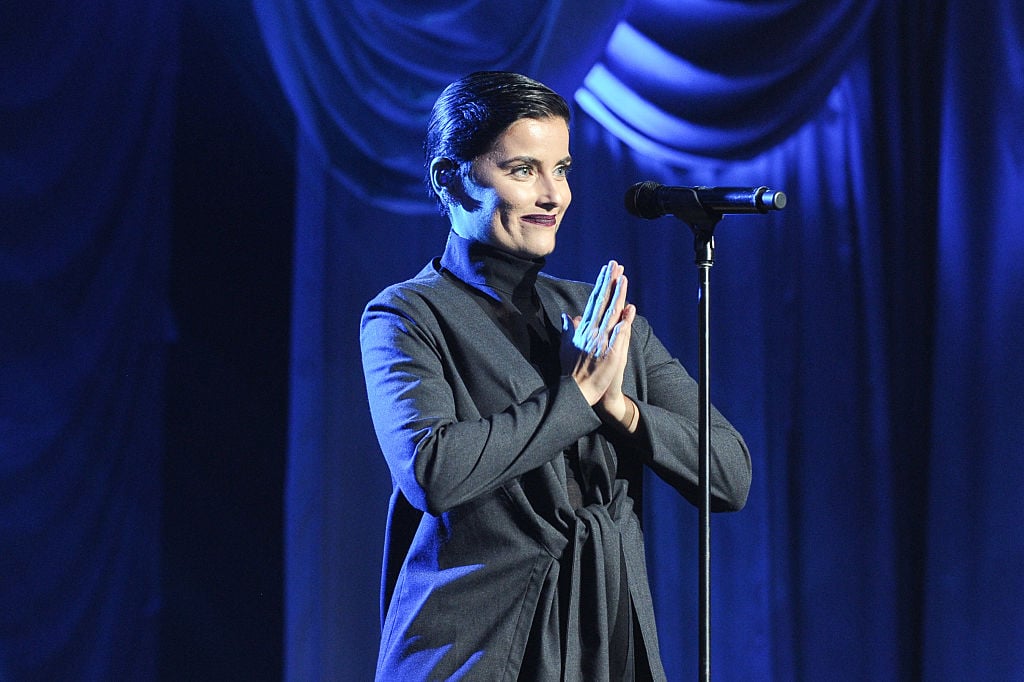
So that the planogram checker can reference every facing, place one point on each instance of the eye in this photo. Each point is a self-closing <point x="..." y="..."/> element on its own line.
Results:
<point x="522" y="171"/>
<point x="563" y="171"/>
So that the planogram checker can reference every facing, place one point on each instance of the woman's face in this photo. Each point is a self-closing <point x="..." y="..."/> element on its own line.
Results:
<point x="515" y="194"/>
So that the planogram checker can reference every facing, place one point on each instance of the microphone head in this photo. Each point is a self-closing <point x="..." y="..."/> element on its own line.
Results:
<point x="642" y="200"/>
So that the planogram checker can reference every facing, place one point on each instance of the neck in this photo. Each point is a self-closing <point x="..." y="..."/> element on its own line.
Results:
<point x="498" y="273"/>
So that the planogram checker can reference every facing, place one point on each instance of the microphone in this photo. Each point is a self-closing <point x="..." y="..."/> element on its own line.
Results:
<point x="699" y="204"/>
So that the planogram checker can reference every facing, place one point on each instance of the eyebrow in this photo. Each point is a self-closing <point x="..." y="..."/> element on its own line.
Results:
<point x="567" y="160"/>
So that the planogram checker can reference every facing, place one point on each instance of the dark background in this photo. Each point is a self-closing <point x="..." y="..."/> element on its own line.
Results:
<point x="227" y="375"/>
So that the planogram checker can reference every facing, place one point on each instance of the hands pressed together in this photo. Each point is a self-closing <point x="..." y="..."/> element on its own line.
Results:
<point x="596" y="344"/>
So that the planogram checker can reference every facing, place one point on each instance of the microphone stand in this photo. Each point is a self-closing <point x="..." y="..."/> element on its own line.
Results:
<point x="651" y="200"/>
<point x="704" y="248"/>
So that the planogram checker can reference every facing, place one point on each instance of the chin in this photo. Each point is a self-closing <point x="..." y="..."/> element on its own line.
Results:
<point x="540" y="249"/>
<point x="530" y="246"/>
<point x="534" y="253"/>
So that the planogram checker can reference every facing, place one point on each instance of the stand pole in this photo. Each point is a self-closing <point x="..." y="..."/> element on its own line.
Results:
<point x="704" y="246"/>
<point x="701" y="208"/>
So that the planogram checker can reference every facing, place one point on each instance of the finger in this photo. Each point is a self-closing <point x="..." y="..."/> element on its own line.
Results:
<point x="612" y="272"/>
<point x="625" y="293"/>
<point x="622" y="330"/>
<point x="588" y="333"/>
<point x="616" y="303"/>
<point x="617" y="300"/>
<point x="595" y="295"/>
<point x="592" y="337"/>
<point x="614" y="336"/>
<point x="613" y="314"/>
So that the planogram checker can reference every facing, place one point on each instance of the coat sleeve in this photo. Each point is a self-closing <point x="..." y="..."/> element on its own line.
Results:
<point x="441" y="452"/>
<point x="669" y="441"/>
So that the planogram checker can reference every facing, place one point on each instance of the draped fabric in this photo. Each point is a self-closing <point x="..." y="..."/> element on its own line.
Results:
<point x="86" y="104"/>
<point x="973" y="546"/>
<point x="673" y="84"/>
<point x="362" y="76"/>
<point x="866" y="340"/>
<point x="817" y="353"/>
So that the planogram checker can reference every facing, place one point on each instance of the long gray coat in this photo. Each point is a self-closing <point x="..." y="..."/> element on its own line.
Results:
<point x="480" y="528"/>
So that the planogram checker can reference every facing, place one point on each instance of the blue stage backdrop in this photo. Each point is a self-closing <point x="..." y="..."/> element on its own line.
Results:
<point x="867" y="340"/>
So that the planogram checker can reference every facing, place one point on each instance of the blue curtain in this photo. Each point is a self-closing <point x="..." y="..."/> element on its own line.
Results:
<point x="866" y="340"/>
<point x="832" y="346"/>
<point x="973" y="588"/>
<point x="86" y="105"/>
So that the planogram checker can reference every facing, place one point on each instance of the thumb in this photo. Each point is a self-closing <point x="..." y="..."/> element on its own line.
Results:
<point x="569" y="324"/>
<point x="567" y="350"/>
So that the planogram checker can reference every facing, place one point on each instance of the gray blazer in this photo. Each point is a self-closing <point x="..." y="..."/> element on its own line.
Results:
<point x="480" y="528"/>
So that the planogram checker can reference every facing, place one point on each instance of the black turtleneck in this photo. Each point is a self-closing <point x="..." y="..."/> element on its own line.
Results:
<point x="509" y="282"/>
<point x="511" y="300"/>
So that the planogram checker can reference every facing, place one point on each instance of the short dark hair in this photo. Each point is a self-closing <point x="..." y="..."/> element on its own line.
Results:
<point x="472" y="112"/>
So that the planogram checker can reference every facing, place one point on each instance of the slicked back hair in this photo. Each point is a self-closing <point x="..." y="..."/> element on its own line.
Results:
<point x="472" y="112"/>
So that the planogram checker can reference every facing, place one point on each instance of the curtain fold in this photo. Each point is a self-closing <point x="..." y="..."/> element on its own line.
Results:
<point x="974" y="588"/>
<point x="843" y="563"/>
<point x="87" y="103"/>
<point x="362" y="76"/>
<point x="721" y="80"/>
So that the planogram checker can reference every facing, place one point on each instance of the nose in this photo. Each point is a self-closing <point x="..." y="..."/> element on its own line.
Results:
<point x="554" y="192"/>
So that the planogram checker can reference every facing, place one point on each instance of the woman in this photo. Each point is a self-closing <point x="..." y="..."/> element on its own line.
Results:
<point x="516" y="411"/>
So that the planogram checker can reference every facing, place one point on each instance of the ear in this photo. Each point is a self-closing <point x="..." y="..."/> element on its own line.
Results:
<point x="443" y="172"/>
